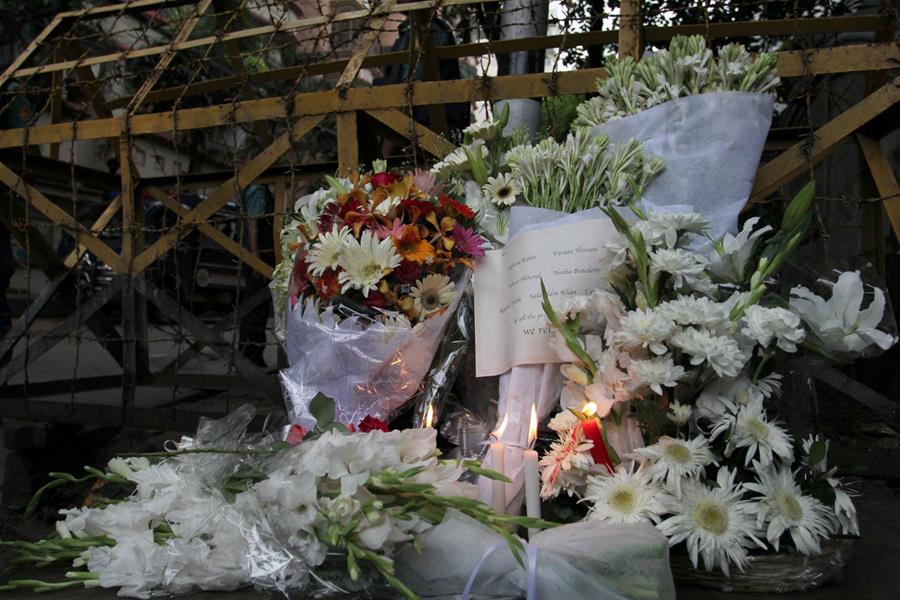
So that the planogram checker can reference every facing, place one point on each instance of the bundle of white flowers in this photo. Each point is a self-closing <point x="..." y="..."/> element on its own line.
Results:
<point x="224" y="518"/>
<point x="494" y="171"/>
<point x="686" y="344"/>
<point x="686" y="68"/>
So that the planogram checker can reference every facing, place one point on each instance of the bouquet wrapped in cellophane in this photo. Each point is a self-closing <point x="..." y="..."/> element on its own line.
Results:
<point x="230" y="508"/>
<point x="374" y="270"/>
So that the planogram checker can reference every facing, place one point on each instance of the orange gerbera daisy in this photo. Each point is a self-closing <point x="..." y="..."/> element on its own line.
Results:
<point x="411" y="246"/>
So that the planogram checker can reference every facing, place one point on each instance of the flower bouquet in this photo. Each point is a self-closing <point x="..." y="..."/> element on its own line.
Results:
<point x="521" y="186"/>
<point x="705" y="116"/>
<point x="687" y="347"/>
<point x="229" y="509"/>
<point x="374" y="269"/>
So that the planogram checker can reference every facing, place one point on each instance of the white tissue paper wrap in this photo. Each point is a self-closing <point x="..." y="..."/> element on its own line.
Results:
<point x="588" y="560"/>
<point x="711" y="144"/>
<point x="369" y="368"/>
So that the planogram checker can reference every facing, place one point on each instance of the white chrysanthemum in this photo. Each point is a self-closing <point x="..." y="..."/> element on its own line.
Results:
<point x="680" y="264"/>
<point x="748" y="428"/>
<point x="432" y="293"/>
<point x="714" y="522"/>
<point x="674" y="460"/>
<point x="783" y="508"/>
<point x="644" y="329"/>
<point x="625" y="496"/>
<point x="723" y="354"/>
<point x="679" y="413"/>
<point x="326" y="253"/>
<point x="655" y="373"/>
<point x="666" y="228"/>
<point x="366" y="261"/>
<point x="502" y="189"/>
<point x="688" y="310"/>
<point x="765" y="325"/>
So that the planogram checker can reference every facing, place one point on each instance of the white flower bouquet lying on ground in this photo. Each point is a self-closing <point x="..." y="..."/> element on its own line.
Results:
<point x="687" y="346"/>
<point x="229" y="510"/>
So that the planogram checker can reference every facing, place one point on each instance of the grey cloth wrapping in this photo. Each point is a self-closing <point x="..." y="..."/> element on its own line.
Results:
<point x="580" y="561"/>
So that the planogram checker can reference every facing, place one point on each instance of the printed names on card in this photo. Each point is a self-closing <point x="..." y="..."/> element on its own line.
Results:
<point x="510" y="325"/>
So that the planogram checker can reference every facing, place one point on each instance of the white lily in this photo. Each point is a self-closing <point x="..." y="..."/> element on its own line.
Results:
<point x="732" y="252"/>
<point x="840" y="322"/>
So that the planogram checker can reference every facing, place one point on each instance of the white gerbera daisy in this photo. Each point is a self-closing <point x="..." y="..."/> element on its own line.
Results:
<point x="326" y="253"/>
<point x="677" y="459"/>
<point x="722" y="353"/>
<point x="625" y="496"/>
<point x="366" y="261"/>
<point x="680" y="264"/>
<point x="765" y="325"/>
<point x="786" y="510"/>
<point x="679" y="413"/>
<point x="502" y="189"/>
<point x="845" y="512"/>
<point x="714" y="523"/>
<point x="655" y="373"/>
<point x="432" y="293"/>
<point x="748" y="428"/>
<point x="645" y="329"/>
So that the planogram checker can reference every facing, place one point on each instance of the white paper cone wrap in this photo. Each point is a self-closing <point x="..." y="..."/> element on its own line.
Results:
<point x="711" y="144"/>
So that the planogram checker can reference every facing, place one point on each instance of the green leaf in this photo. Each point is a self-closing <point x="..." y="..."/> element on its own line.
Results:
<point x="475" y="467"/>
<point x="798" y="207"/>
<point x="336" y="184"/>
<point x="818" y="452"/>
<point x="613" y="455"/>
<point x="322" y="408"/>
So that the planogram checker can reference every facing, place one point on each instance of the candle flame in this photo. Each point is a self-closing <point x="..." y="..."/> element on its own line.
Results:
<point x="532" y="427"/>
<point x="499" y="431"/>
<point x="589" y="409"/>
<point x="429" y="416"/>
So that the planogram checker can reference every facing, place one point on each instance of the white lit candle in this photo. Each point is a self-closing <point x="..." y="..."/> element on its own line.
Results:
<point x="532" y="476"/>
<point x="429" y="416"/>
<point x="498" y="488"/>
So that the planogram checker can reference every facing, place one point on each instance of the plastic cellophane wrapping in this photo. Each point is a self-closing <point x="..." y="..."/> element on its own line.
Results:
<point x="369" y="364"/>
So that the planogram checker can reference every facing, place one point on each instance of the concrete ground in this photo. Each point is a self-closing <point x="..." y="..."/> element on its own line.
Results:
<point x="865" y="448"/>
